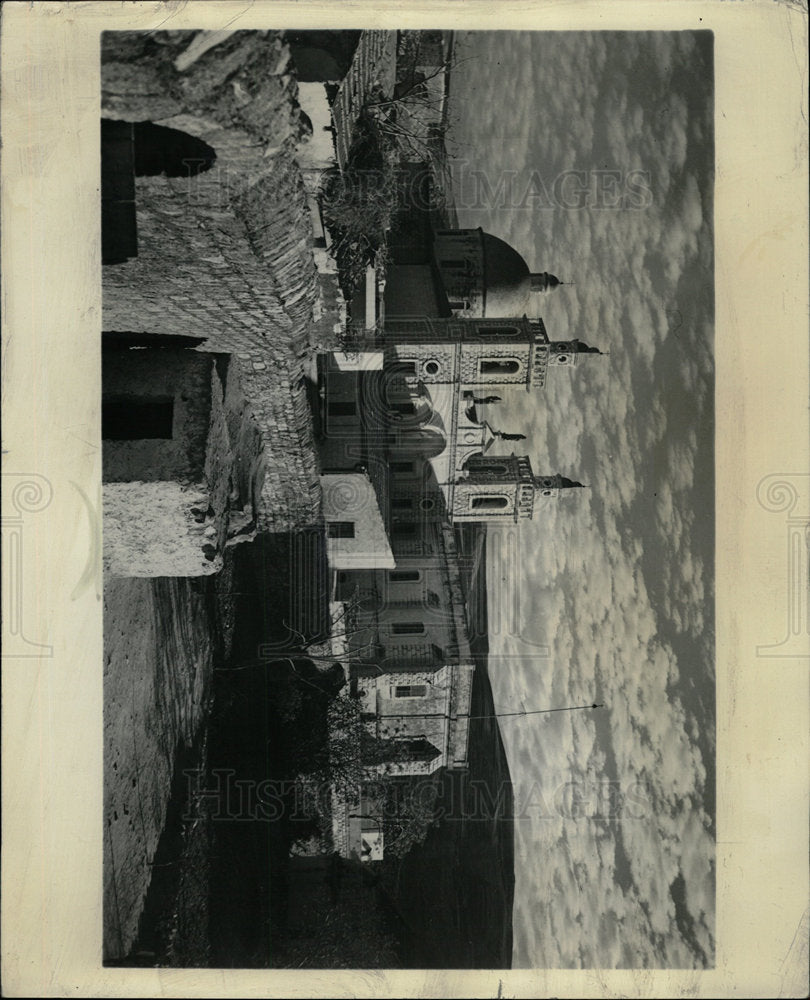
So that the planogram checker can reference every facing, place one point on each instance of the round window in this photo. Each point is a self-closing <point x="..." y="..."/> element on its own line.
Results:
<point x="432" y="367"/>
<point x="427" y="503"/>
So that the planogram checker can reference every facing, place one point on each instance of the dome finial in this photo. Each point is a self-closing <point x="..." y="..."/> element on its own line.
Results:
<point x="583" y="348"/>
<point x="543" y="282"/>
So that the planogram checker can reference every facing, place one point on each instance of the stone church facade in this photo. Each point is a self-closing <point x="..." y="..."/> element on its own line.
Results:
<point x="406" y="403"/>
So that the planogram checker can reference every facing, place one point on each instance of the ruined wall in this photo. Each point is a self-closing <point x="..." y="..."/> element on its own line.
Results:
<point x="226" y="254"/>
<point x="183" y="376"/>
<point x="291" y="490"/>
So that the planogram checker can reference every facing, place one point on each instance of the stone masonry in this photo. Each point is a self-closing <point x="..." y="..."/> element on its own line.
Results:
<point x="226" y="255"/>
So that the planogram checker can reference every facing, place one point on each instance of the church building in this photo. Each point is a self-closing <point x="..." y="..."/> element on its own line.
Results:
<point x="405" y="404"/>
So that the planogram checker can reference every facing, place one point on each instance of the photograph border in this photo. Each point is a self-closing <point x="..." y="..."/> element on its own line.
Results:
<point x="52" y="582"/>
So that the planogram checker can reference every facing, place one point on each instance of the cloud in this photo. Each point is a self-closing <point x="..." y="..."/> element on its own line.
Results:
<point x="615" y="580"/>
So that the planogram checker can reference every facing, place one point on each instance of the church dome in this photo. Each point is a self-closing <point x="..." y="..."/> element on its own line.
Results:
<point x="503" y="265"/>
<point x="510" y="289"/>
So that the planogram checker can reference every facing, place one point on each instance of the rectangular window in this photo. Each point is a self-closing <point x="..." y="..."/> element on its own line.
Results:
<point x="410" y="691"/>
<point x="402" y="503"/>
<point x="406" y="409"/>
<point x="404" y="368"/>
<point x="341" y="529"/>
<point x="459" y="264"/>
<point x="134" y="418"/>
<point x="407" y="628"/>
<point x="119" y="230"/>
<point x="403" y="467"/>
<point x="404" y="576"/>
<point x="405" y="528"/>
<point x="342" y="408"/>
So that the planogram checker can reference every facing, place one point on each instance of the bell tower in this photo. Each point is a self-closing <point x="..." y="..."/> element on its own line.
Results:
<point x="499" y="488"/>
<point x="564" y="353"/>
<point x="556" y="354"/>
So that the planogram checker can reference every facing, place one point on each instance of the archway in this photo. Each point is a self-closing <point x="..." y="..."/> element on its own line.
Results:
<point x="162" y="150"/>
<point x="139" y="149"/>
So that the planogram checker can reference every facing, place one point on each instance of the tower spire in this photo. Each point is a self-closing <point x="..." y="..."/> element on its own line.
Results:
<point x="549" y="486"/>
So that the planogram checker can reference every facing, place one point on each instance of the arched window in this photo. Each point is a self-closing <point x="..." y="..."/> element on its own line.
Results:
<point x="499" y="366"/>
<point x="478" y="465"/>
<point x="489" y="503"/>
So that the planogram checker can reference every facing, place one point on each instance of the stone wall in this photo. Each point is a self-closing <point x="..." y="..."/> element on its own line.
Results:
<point x="340" y="823"/>
<point x="227" y="254"/>
<point x="185" y="378"/>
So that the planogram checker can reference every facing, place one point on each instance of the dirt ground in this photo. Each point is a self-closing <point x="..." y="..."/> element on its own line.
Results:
<point x="157" y="680"/>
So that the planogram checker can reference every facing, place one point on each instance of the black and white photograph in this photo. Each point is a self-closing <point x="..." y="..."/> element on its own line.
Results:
<point x="408" y="480"/>
<point x="406" y="579"/>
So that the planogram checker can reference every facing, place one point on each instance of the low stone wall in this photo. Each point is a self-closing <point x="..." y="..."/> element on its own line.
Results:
<point x="340" y="824"/>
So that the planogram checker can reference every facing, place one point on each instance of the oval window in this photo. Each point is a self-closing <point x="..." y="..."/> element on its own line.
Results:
<point x="432" y="367"/>
<point x="562" y="359"/>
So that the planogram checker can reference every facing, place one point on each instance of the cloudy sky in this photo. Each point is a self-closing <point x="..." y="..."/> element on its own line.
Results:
<point x="608" y="595"/>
